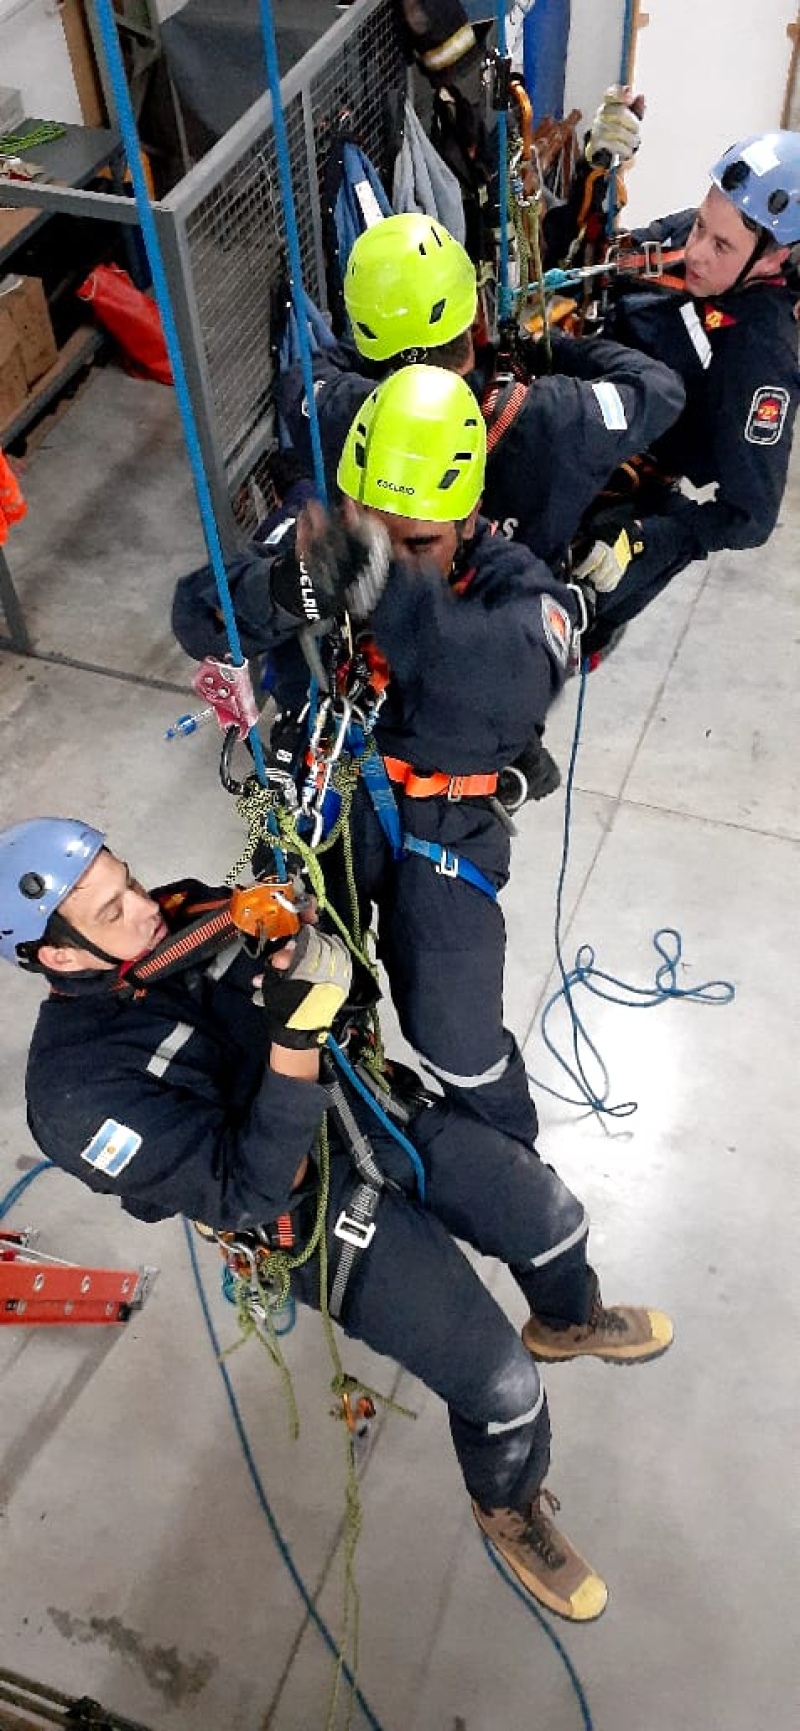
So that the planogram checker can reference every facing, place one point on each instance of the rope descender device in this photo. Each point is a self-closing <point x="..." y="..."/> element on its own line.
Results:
<point x="355" y="1408"/>
<point x="266" y="911"/>
<point x="228" y="690"/>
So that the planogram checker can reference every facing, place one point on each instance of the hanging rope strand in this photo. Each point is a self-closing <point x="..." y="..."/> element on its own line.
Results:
<point x="130" y="138"/>
<point x="292" y="239"/>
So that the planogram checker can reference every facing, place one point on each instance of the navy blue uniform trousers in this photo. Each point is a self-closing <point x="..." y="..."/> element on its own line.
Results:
<point x="414" y="1295"/>
<point x="443" y="944"/>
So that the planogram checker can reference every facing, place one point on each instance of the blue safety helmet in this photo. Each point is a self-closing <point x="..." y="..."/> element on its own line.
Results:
<point x="40" y="862"/>
<point x="761" y="176"/>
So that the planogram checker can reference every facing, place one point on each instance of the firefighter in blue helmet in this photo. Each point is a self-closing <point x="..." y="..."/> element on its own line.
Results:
<point x="187" y="1077"/>
<point x="411" y="294"/>
<point x="728" y="326"/>
<point x="477" y="636"/>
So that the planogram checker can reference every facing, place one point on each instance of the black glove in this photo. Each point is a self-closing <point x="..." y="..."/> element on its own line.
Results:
<point x="339" y="567"/>
<point x="309" y="592"/>
<point x="302" y="1000"/>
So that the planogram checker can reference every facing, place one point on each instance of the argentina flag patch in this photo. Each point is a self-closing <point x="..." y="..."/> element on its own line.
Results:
<point x="112" y="1148"/>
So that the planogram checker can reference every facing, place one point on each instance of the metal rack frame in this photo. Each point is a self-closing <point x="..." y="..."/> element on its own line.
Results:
<point x="221" y="232"/>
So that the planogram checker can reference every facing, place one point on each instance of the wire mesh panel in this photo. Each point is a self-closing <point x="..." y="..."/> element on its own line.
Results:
<point x="233" y="250"/>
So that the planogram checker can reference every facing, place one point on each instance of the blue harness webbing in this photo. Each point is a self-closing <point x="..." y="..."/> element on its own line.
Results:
<point x="445" y="860"/>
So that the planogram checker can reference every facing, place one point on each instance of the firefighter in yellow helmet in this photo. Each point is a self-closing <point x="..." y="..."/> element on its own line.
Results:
<point x="475" y="636"/>
<point x="411" y="292"/>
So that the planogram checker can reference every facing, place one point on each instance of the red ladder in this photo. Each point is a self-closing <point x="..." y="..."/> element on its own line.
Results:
<point x="35" y="1288"/>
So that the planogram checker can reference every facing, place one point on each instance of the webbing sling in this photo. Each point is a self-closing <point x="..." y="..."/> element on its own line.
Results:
<point x="355" y="1225"/>
<point x="500" y="406"/>
<point x="444" y="860"/>
<point x="449" y="864"/>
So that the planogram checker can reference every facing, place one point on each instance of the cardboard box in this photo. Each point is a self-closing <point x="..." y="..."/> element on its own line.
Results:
<point x="13" y="383"/>
<point x="23" y="298"/>
<point x="14" y="222"/>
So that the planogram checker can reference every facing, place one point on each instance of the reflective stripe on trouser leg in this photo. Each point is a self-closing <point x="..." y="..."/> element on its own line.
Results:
<point x="415" y="1297"/>
<point x="495" y="1193"/>
<point x="505" y="1462"/>
<point x="443" y="946"/>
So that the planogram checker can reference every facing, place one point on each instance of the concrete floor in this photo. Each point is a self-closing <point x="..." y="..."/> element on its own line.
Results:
<point x="137" y="1565"/>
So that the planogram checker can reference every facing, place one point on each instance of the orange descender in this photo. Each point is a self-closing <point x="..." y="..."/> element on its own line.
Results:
<point x="266" y="910"/>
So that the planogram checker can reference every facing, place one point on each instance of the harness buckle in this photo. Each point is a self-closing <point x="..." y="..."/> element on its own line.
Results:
<point x="359" y="1233"/>
<point x="447" y="866"/>
<point x="455" y="788"/>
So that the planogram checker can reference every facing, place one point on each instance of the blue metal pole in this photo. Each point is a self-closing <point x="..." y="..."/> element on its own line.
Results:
<point x="627" y="37"/>
<point x="130" y="139"/>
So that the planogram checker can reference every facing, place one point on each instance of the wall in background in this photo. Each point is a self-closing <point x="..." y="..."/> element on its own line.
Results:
<point x="595" y="52"/>
<point x="35" y="60"/>
<point x="710" y="73"/>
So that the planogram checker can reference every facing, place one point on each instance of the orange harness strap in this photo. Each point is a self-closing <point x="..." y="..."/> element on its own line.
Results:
<point x="511" y="408"/>
<point x="428" y="786"/>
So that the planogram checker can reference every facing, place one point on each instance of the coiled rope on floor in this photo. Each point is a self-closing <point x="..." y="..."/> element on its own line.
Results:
<point x="668" y="944"/>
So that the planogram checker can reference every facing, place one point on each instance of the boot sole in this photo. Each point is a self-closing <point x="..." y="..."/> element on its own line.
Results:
<point x="603" y="1357"/>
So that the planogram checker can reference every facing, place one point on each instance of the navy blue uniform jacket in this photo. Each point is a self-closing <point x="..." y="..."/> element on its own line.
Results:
<point x="166" y="1099"/>
<point x="601" y="405"/>
<point x="737" y="356"/>
<point x="473" y="674"/>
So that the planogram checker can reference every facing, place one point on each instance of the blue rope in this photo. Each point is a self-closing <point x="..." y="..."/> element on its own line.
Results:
<point x="668" y="945"/>
<point x="283" y="1548"/>
<point x="18" y="1189"/>
<point x="525" y="1599"/>
<point x="130" y="139"/>
<point x="292" y="240"/>
<point x="360" y="1087"/>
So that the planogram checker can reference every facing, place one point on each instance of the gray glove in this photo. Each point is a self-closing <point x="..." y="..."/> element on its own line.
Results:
<point x="615" y="131"/>
<point x="336" y="563"/>
<point x="364" y="590"/>
<point x="301" y="1001"/>
<point x="608" y="559"/>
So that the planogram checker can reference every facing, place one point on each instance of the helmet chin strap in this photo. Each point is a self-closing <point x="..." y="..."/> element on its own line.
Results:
<point x="763" y="239"/>
<point x="62" y="932"/>
<point x="200" y="925"/>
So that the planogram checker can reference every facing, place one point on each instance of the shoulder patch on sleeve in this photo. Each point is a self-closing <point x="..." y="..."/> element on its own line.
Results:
<point x="612" y="407"/>
<point x="112" y="1148"/>
<point x="557" y="629"/>
<point x="767" y="416"/>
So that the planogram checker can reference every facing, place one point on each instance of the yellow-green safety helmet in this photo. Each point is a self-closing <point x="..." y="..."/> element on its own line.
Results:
<point x="417" y="447"/>
<point x="408" y="285"/>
